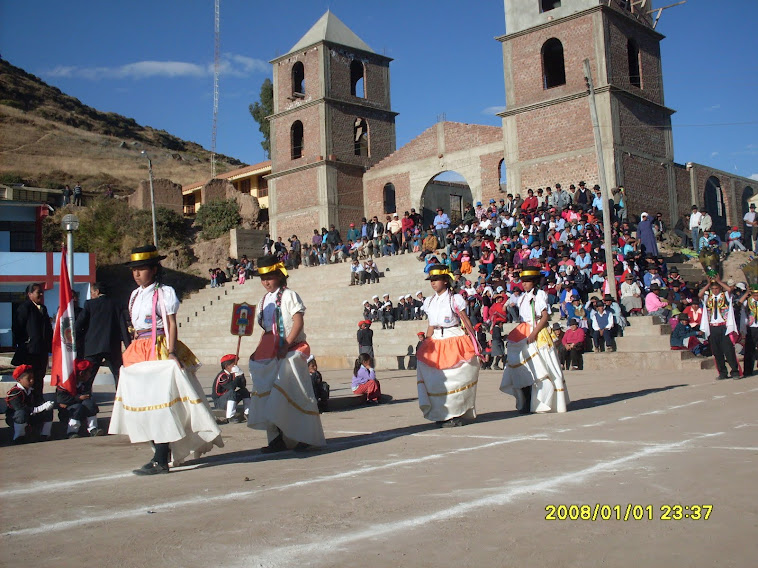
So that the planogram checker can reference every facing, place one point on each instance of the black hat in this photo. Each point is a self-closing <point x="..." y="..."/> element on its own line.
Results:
<point x="573" y="321"/>
<point x="144" y="256"/>
<point x="440" y="272"/>
<point x="269" y="264"/>
<point x="530" y="273"/>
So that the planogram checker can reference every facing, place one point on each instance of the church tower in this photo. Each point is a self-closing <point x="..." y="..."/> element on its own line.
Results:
<point x="546" y="125"/>
<point x="332" y="121"/>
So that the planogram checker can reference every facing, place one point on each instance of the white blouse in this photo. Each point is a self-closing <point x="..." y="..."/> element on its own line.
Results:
<point x="141" y="306"/>
<point x="291" y="305"/>
<point x="440" y="312"/>
<point x="525" y="306"/>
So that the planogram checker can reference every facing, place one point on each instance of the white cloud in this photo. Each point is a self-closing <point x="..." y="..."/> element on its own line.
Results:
<point x="712" y="107"/>
<point x="231" y="64"/>
<point x="754" y="176"/>
<point x="493" y="110"/>
<point x="714" y="154"/>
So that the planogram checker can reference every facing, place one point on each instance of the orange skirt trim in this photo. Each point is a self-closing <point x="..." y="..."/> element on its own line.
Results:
<point x="446" y="353"/>
<point x="268" y="347"/>
<point x="545" y="338"/>
<point x="141" y="350"/>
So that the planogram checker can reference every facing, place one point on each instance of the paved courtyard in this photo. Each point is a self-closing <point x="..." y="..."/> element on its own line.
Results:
<point x="391" y="489"/>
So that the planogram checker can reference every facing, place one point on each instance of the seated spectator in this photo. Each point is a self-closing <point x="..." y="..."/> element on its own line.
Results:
<point x="386" y="315"/>
<point x="655" y="305"/>
<point x="229" y="389"/>
<point x="684" y="336"/>
<point x="418" y="304"/>
<point x="372" y="272"/>
<point x="429" y="245"/>
<point x="559" y="347"/>
<point x="357" y="273"/>
<point x="75" y="408"/>
<point x="320" y="387"/>
<point x="21" y="413"/>
<point x="631" y="295"/>
<point x="734" y="240"/>
<point x="364" y="379"/>
<point x="602" y="328"/>
<point x="573" y="340"/>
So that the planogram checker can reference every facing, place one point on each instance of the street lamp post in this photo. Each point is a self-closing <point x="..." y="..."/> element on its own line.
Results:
<point x="70" y="223"/>
<point x="152" y="197"/>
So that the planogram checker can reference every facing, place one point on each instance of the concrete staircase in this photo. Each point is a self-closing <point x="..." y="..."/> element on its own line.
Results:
<point x="333" y="310"/>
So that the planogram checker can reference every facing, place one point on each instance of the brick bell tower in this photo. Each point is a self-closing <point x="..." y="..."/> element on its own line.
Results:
<point x="332" y="121"/>
<point x="546" y="125"/>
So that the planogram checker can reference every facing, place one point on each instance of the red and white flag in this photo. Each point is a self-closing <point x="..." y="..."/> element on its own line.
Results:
<point x="64" y="347"/>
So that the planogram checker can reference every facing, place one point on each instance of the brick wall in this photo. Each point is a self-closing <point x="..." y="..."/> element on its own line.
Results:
<point x="300" y="224"/>
<point x="646" y="185"/>
<point x="576" y="35"/>
<point x="459" y="136"/>
<point x="683" y="196"/>
<point x="554" y="129"/>
<point x="297" y="190"/>
<point x="374" y="191"/>
<point x="311" y="60"/>
<point x="381" y="130"/>
<point x="641" y="126"/>
<point x="490" y="172"/>
<point x="620" y="29"/>
<point x="375" y="71"/>
<point x="282" y="149"/>
<point x="565" y="171"/>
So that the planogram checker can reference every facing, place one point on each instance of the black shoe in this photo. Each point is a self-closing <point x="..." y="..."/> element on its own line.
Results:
<point x="276" y="445"/>
<point x="301" y="447"/>
<point x="735" y="375"/>
<point x="721" y="377"/>
<point x="20" y="440"/>
<point x="452" y="423"/>
<point x="151" y="468"/>
<point x="73" y="435"/>
<point x="238" y="420"/>
<point x="222" y="421"/>
<point x="96" y="432"/>
<point x="44" y="438"/>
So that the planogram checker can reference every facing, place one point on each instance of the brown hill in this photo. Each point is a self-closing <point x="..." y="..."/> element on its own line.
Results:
<point x="48" y="138"/>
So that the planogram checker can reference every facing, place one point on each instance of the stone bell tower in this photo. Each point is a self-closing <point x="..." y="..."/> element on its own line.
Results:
<point x="546" y="125"/>
<point x="332" y="121"/>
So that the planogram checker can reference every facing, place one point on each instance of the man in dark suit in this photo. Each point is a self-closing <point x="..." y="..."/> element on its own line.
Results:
<point x="33" y="336"/>
<point x="103" y="328"/>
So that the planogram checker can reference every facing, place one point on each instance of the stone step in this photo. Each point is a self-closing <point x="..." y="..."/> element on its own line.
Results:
<point x="643" y="360"/>
<point x="645" y="330"/>
<point x="642" y="343"/>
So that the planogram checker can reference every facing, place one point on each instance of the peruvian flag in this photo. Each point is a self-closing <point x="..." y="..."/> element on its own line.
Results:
<point x="64" y="347"/>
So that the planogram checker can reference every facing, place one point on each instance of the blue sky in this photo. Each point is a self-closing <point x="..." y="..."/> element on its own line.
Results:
<point x="152" y="60"/>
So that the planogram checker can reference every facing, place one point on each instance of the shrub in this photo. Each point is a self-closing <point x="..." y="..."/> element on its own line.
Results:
<point x="218" y="217"/>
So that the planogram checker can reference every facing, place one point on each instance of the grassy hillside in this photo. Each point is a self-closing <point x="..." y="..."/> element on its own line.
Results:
<point x="48" y="138"/>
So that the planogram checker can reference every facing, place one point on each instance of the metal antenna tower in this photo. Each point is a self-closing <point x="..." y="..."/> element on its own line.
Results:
<point x="216" y="65"/>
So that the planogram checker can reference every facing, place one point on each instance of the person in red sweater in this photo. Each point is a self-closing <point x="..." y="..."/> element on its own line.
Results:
<point x="573" y="341"/>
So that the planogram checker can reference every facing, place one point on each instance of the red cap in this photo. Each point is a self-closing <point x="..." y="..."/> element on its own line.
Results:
<point x="20" y="370"/>
<point x="229" y="357"/>
<point x="352" y="224"/>
<point x="82" y="365"/>
<point x="421" y="333"/>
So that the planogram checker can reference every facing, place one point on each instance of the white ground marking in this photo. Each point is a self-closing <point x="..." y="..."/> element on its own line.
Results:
<point x="661" y="411"/>
<point x="207" y="499"/>
<point x="294" y="555"/>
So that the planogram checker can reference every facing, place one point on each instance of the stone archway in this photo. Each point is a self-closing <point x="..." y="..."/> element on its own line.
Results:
<point x="447" y="189"/>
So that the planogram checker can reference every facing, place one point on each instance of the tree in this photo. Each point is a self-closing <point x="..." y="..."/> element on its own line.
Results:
<point x="261" y="110"/>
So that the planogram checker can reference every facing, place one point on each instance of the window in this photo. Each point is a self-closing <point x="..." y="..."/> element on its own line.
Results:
<point x="356" y="79"/>
<point x="633" y="53"/>
<point x="298" y="78"/>
<point x="360" y="137"/>
<point x="553" y="69"/>
<point x="296" y="137"/>
<point x="389" y="198"/>
<point x="547" y="5"/>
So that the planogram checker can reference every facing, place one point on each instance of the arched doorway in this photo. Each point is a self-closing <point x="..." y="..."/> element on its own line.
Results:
<point x="714" y="204"/>
<point x="448" y="190"/>
<point x="502" y="177"/>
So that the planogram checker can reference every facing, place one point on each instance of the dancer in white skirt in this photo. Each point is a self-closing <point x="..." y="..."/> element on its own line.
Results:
<point x="283" y="400"/>
<point x="159" y="398"/>
<point x="532" y="372"/>
<point x="447" y="368"/>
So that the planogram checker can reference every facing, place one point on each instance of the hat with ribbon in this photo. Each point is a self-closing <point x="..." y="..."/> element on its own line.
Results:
<point x="440" y="272"/>
<point x="144" y="256"/>
<point x="228" y="357"/>
<point x="270" y="264"/>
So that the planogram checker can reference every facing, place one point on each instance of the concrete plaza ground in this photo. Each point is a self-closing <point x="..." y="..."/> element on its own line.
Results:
<point x="391" y="489"/>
